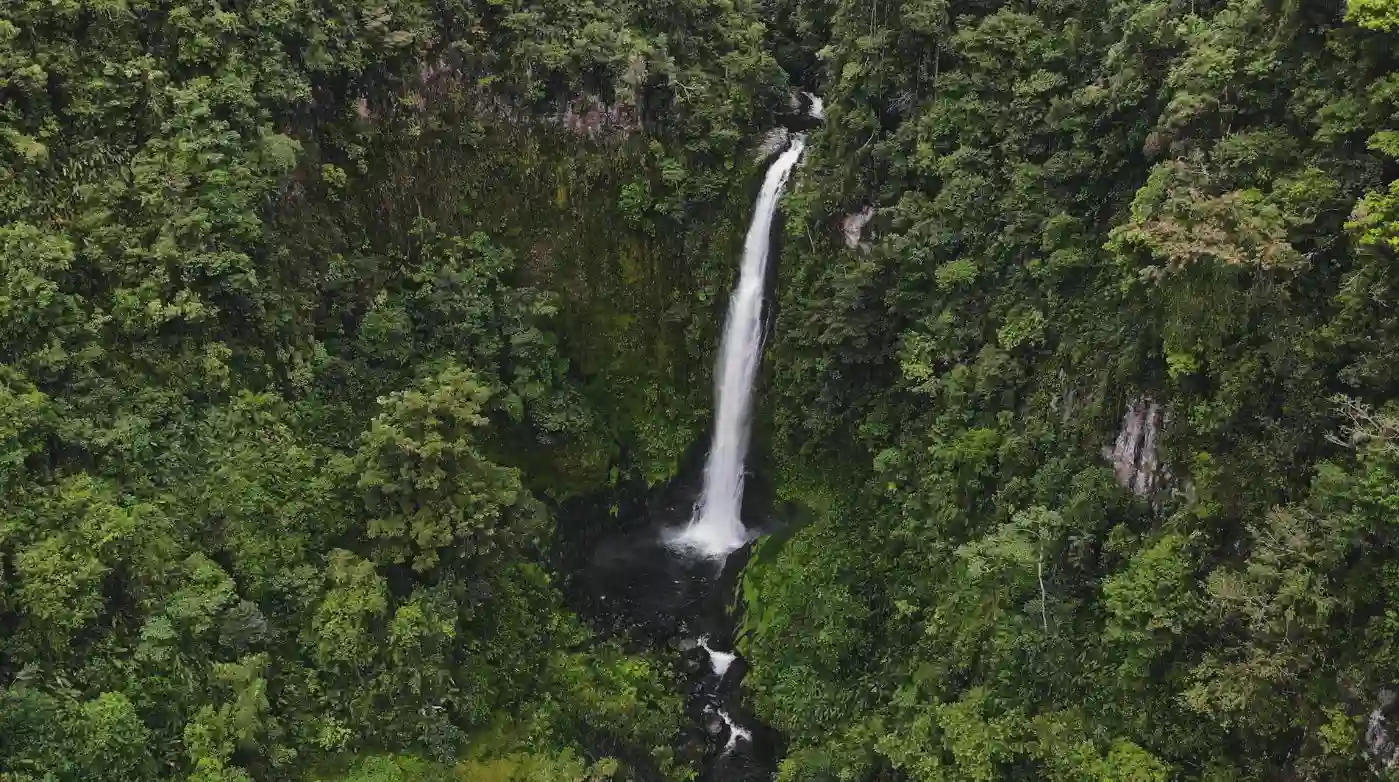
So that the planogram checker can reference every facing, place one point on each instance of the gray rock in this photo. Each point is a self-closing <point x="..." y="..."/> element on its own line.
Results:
<point x="1381" y="749"/>
<point x="1136" y="456"/>
<point x="853" y="226"/>
<point x="775" y="141"/>
<point x="714" y="724"/>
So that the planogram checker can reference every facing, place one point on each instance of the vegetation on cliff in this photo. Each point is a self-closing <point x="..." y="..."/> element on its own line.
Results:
<point x="310" y="313"/>
<point x="1186" y="210"/>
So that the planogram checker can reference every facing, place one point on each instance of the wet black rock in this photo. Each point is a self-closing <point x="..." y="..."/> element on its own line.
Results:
<point x="694" y="662"/>
<point x="714" y="725"/>
<point x="620" y="574"/>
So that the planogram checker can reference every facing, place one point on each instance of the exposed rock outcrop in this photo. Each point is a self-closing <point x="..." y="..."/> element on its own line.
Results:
<point x="1136" y="457"/>
<point x="1381" y="749"/>
<point x="775" y="141"/>
<point x="853" y="227"/>
<point x="585" y="115"/>
<point x="589" y="116"/>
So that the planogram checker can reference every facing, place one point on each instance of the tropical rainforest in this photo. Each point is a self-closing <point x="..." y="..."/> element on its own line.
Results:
<point x="1080" y="401"/>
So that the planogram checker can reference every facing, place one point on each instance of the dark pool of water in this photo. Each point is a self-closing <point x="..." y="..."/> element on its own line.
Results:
<point x="619" y="574"/>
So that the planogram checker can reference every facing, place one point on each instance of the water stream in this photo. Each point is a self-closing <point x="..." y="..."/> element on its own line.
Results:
<point x="671" y="584"/>
<point x="716" y="530"/>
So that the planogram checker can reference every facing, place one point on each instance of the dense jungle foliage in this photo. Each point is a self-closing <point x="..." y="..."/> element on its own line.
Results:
<point x="310" y="314"/>
<point x="314" y="314"/>
<point x="1082" y="206"/>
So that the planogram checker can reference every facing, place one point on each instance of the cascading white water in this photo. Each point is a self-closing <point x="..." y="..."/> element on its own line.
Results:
<point x="716" y="530"/>
<point x="719" y="661"/>
<point x="818" y="106"/>
<point x="736" y="731"/>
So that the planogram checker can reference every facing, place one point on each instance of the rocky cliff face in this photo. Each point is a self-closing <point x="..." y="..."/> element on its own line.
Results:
<point x="1135" y="456"/>
<point x="1381" y="748"/>
<point x="631" y="244"/>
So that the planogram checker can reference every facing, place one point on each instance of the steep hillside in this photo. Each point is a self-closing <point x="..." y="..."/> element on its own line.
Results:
<point x="310" y="313"/>
<point x="1095" y="414"/>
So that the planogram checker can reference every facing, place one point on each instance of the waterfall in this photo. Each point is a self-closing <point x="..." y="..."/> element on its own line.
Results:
<point x="715" y="529"/>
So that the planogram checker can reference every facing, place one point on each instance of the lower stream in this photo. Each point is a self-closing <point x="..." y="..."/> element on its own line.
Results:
<point x="625" y="579"/>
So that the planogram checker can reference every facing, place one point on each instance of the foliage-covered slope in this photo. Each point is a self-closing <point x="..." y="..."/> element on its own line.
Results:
<point x="1081" y="206"/>
<point x="297" y="338"/>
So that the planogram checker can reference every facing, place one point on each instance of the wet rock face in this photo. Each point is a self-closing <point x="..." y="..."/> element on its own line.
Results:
<point x="715" y="727"/>
<point x="1381" y="748"/>
<point x="694" y="661"/>
<point x="1136" y="457"/>
<point x="802" y="114"/>
<point x="775" y="141"/>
